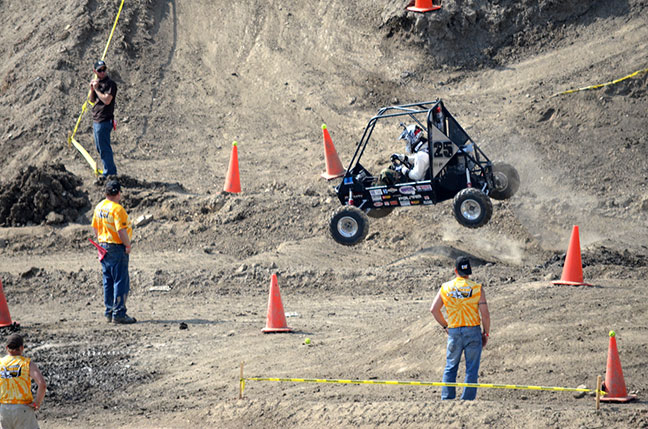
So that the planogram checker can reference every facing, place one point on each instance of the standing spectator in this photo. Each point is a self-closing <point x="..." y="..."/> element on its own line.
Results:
<point x="17" y="405"/>
<point x="464" y="301"/>
<point x="113" y="231"/>
<point x="102" y="93"/>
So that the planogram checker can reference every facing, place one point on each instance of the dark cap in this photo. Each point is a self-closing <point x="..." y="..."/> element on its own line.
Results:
<point x="462" y="265"/>
<point x="14" y="341"/>
<point x="98" y="64"/>
<point x="113" y="187"/>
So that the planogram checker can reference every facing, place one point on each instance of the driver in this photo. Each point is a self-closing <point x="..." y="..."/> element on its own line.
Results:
<point x="412" y="165"/>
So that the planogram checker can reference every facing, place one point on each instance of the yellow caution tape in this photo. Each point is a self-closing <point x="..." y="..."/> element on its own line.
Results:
<point x="418" y="383"/>
<point x="602" y="84"/>
<point x="87" y="157"/>
<point x="84" y="107"/>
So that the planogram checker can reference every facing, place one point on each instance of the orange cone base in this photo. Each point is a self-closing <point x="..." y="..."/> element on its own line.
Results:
<point x="271" y="330"/>
<point x="332" y="176"/>
<point x="568" y="282"/>
<point x="628" y="398"/>
<point x="423" y="9"/>
<point x="14" y="324"/>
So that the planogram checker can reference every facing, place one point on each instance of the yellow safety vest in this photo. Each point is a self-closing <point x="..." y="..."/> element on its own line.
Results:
<point x="15" y="381"/>
<point x="461" y="300"/>
<point x="109" y="218"/>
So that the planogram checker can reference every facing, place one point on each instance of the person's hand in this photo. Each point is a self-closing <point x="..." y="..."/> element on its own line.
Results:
<point x="484" y="339"/>
<point x="94" y="83"/>
<point x="128" y="250"/>
<point x="396" y="157"/>
<point x="34" y="405"/>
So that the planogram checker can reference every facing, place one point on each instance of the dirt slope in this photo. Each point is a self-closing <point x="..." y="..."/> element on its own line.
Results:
<point x="194" y="77"/>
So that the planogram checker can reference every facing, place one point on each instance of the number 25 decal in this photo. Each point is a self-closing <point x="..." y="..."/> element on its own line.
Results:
<point x="442" y="149"/>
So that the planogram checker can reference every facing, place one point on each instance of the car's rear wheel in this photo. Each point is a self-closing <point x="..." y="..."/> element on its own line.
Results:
<point x="349" y="225"/>
<point x="472" y="208"/>
<point x="507" y="181"/>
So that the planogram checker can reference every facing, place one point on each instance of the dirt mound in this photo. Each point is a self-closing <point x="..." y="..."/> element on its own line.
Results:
<point x="471" y="33"/>
<point x="42" y="195"/>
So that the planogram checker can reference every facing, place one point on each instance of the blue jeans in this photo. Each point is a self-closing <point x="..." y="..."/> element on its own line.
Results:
<point x="116" y="281"/>
<point x="102" y="132"/>
<point x="467" y="340"/>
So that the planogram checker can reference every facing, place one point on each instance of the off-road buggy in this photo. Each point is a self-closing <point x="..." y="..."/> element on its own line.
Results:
<point x="458" y="170"/>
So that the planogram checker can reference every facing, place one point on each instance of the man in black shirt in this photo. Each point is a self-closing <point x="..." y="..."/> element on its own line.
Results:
<point x="102" y="93"/>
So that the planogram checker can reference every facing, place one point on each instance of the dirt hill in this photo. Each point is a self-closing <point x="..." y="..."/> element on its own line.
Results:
<point x="195" y="76"/>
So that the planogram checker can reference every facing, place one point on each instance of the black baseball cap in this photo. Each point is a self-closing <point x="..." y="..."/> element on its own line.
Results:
<point x="99" y="64"/>
<point x="14" y="341"/>
<point x="113" y="187"/>
<point x="462" y="265"/>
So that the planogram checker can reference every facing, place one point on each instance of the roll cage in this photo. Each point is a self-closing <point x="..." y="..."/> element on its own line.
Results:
<point x="456" y="162"/>
<point x="415" y="111"/>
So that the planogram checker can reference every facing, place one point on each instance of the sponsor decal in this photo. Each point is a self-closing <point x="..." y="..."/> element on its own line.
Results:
<point x="375" y="192"/>
<point x="393" y="203"/>
<point x="386" y="197"/>
<point x="401" y="199"/>
<point x="391" y="190"/>
<point x="424" y="188"/>
<point x="426" y="197"/>
<point x="415" y="197"/>
<point x="356" y="197"/>
<point x="427" y="203"/>
<point x="407" y="190"/>
<point x="376" y="198"/>
<point x="416" y="202"/>
<point x="348" y="180"/>
<point x="378" y="204"/>
<point x="405" y="203"/>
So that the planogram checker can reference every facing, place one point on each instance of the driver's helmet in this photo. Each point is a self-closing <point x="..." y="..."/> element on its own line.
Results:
<point x="413" y="136"/>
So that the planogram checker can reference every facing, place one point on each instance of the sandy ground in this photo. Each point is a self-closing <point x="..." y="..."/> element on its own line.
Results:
<point x="195" y="76"/>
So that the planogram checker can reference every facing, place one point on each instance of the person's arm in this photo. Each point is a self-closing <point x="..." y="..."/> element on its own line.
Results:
<point x="36" y="375"/>
<point x="105" y="97"/>
<point x="123" y="234"/>
<point x="93" y="95"/>
<point x="485" y="317"/>
<point x="437" y="304"/>
<point x="420" y="166"/>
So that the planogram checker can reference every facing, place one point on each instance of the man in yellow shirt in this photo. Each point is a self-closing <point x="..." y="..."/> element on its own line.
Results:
<point x="113" y="231"/>
<point x="17" y="405"/>
<point x="464" y="301"/>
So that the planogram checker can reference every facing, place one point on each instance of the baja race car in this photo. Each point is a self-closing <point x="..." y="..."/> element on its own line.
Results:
<point x="458" y="169"/>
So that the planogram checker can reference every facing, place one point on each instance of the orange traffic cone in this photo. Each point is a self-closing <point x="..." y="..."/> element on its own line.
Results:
<point x="232" y="180"/>
<point x="5" y="317"/>
<point x="422" y="6"/>
<point x="276" y="321"/>
<point x="333" y="165"/>
<point x="573" y="269"/>
<point x="614" y="383"/>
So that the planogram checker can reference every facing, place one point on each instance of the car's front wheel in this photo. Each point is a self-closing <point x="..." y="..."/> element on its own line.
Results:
<point x="349" y="225"/>
<point x="472" y="208"/>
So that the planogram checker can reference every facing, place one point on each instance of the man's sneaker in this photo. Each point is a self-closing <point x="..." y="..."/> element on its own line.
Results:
<point x="109" y="318"/>
<point x="124" y="320"/>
